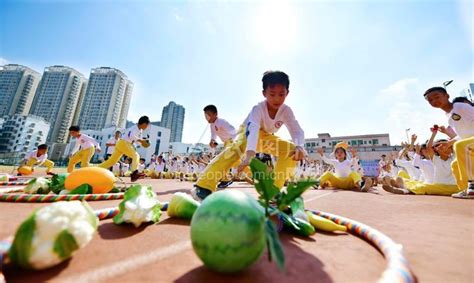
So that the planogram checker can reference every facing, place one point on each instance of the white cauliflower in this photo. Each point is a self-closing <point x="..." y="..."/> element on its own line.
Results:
<point x="140" y="205"/>
<point x="52" y="234"/>
<point x="38" y="185"/>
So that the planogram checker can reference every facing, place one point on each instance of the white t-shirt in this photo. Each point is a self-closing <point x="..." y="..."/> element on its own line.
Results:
<point x="408" y="166"/>
<point x="132" y="134"/>
<point x="442" y="171"/>
<point x="141" y="167"/>
<point x="222" y="129"/>
<point x="110" y="148"/>
<point x="84" y="142"/>
<point x="461" y="120"/>
<point x="39" y="159"/>
<point x="426" y="167"/>
<point x="259" y="119"/>
<point x="341" y="169"/>
<point x="157" y="167"/>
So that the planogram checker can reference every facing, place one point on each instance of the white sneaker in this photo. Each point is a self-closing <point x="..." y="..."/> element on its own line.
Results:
<point x="467" y="193"/>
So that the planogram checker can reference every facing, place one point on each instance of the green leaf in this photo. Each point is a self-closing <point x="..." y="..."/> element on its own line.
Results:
<point x="93" y="219"/>
<point x="293" y="191"/>
<point x="114" y="191"/>
<point x="82" y="190"/>
<point x="274" y="244"/>
<point x="156" y="213"/>
<point x="264" y="183"/>
<point x="57" y="182"/>
<point x="20" y="250"/>
<point x="289" y="221"/>
<point x="65" y="245"/>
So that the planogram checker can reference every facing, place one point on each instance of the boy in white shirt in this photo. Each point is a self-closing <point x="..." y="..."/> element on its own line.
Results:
<point x="222" y="129"/>
<point x="461" y="121"/>
<point x="111" y="144"/>
<point x="83" y="150"/>
<point x="38" y="157"/>
<point x="124" y="146"/>
<point x="443" y="179"/>
<point x="256" y="135"/>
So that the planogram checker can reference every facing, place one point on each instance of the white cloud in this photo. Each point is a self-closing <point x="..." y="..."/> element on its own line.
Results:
<point x="178" y="17"/>
<point x="407" y="109"/>
<point x="3" y="61"/>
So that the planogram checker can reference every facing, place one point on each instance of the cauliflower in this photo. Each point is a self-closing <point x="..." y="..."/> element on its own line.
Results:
<point x="52" y="234"/>
<point x="38" y="185"/>
<point x="140" y="205"/>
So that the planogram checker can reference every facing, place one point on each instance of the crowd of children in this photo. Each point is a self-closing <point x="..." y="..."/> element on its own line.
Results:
<point x="439" y="166"/>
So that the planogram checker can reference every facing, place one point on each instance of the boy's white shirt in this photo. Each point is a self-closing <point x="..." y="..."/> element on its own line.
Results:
<point x="110" y="149"/>
<point x="222" y="129"/>
<point x="442" y="171"/>
<point x="125" y="167"/>
<point x="408" y="166"/>
<point x="84" y="142"/>
<point x="39" y="159"/>
<point x="141" y="167"/>
<point x="132" y="134"/>
<point x="341" y="169"/>
<point x="157" y="167"/>
<point x="426" y="167"/>
<point x="259" y="119"/>
<point x="461" y="120"/>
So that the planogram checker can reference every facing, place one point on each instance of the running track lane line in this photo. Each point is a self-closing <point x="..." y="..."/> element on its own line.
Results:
<point x="113" y="270"/>
<point x="124" y="266"/>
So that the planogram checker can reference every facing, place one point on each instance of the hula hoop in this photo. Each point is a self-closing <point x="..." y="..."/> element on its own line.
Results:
<point x="15" y="183"/>
<point x="397" y="269"/>
<point x="53" y="198"/>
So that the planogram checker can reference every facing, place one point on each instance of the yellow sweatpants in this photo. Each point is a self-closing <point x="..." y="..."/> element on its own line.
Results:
<point x="122" y="148"/>
<point x="345" y="183"/>
<point x="404" y="174"/>
<point x="83" y="156"/>
<point x="47" y="163"/>
<point x="419" y="188"/>
<point x="230" y="157"/>
<point x="463" y="165"/>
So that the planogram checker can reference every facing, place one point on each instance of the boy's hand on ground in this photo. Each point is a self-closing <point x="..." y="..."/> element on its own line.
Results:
<point x="242" y="165"/>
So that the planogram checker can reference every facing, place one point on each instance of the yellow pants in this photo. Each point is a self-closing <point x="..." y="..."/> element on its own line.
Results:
<point x="345" y="183"/>
<point x="122" y="148"/>
<point x="404" y="174"/>
<point x="463" y="165"/>
<point x="419" y="188"/>
<point x="83" y="156"/>
<point x="230" y="157"/>
<point x="47" y="163"/>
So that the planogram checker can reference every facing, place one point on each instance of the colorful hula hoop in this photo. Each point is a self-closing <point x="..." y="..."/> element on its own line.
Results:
<point x="15" y="183"/>
<point x="53" y="198"/>
<point x="398" y="269"/>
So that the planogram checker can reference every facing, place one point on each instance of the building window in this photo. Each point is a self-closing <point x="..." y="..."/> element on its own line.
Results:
<point x="375" y="141"/>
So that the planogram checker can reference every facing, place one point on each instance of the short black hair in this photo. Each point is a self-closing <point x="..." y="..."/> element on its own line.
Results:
<point x="462" y="99"/>
<point x="43" y="146"/>
<point x="271" y="78"/>
<point x="118" y="132"/>
<point x="210" y="108"/>
<point x="433" y="89"/>
<point x="74" y="129"/>
<point x="142" y="159"/>
<point x="143" y="120"/>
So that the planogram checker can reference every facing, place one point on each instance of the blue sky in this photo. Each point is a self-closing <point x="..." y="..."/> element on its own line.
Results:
<point x="356" y="67"/>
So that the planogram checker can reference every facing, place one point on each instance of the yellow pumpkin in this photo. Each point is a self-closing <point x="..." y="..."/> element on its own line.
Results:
<point x="101" y="180"/>
<point x="25" y="170"/>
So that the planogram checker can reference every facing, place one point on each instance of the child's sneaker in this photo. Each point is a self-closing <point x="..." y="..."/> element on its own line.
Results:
<point x="224" y="184"/>
<point x="199" y="193"/>
<point x="136" y="175"/>
<point x="467" y="193"/>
